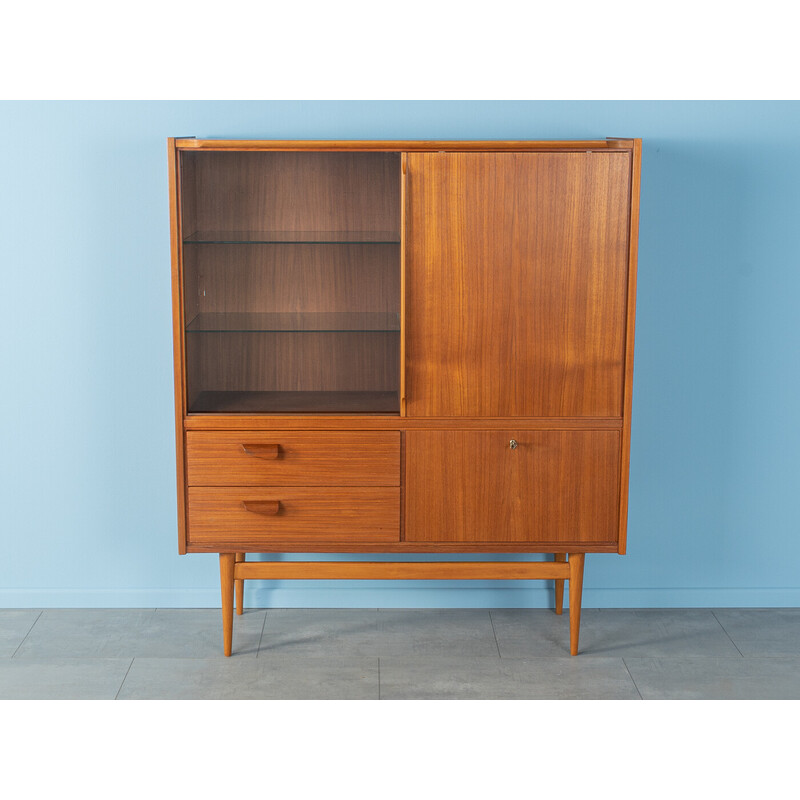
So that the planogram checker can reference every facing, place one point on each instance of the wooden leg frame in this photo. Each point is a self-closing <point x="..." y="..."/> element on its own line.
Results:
<point x="234" y="571"/>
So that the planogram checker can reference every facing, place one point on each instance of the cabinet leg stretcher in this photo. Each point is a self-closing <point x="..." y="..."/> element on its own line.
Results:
<point x="235" y="570"/>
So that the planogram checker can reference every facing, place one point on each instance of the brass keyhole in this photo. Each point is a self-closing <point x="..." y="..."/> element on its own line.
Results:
<point x="513" y="444"/>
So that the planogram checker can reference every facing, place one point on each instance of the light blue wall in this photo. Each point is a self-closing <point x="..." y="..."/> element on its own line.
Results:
<point x="87" y="486"/>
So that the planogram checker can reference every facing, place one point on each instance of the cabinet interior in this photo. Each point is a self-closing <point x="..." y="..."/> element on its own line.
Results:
<point x="291" y="264"/>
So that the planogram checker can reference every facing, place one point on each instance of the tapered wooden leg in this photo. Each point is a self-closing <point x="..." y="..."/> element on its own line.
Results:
<point x="239" y="605"/>
<point x="226" y="562"/>
<point x="560" y="557"/>
<point x="575" y="592"/>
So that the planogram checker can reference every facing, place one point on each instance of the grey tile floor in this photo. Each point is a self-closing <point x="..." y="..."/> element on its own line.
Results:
<point x="398" y="654"/>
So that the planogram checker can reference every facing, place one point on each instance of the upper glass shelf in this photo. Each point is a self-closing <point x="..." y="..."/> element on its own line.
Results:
<point x="293" y="237"/>
<point x="321" y="321"/>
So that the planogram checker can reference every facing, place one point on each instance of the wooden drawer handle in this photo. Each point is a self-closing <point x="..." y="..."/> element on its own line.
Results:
<point x="268" y="507"/>
<point x="261" y="450"/>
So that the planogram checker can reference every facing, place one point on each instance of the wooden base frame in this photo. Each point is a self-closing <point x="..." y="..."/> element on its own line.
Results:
<point x="234" y="570"/>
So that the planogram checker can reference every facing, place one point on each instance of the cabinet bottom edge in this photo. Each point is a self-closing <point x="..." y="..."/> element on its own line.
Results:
<point x="408" y="549"/>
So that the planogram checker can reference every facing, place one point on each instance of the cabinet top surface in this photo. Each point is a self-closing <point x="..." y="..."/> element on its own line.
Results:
<point x="404" y="145"/>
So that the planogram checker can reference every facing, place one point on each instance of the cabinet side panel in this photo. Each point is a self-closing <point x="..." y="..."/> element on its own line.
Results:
<point x="636" y="167"/>
<point x="517" y="271"/>
<point x="299" y="458"/>
<point x="177" y="329"/>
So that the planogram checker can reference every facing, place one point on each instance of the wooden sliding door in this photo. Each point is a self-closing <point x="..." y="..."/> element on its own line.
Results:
<point x="516" y="283"/>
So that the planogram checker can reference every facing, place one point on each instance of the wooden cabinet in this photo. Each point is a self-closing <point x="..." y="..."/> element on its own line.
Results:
<point x="403" y="347"/>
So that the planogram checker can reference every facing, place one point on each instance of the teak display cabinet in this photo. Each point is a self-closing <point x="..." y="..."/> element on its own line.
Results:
<point x="403" y="347"/>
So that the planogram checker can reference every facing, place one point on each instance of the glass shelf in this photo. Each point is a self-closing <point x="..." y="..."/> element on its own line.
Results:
<point x="296" y="403"/>
<point x="293" y="237"/>
<point x="208" y="321"/>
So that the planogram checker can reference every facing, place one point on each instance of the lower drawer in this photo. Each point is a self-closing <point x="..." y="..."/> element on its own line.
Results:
<point x="242" y="517"/>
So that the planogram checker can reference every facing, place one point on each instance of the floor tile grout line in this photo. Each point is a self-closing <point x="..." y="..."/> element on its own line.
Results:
<point x="633" y="680"/>
<point x="726" y="632"/>
<point x="494" y="633"/>
<point x="38" y="617"/>
<point x="261" y="637"/>
<point x="127" y="672"/>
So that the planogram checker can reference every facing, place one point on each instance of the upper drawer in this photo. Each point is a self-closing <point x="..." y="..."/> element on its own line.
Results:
<point x="290" y="458"/>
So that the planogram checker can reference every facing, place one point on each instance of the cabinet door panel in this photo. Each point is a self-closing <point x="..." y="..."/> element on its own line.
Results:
<point x="516" y="283"/>
<point x="471" y="486"/>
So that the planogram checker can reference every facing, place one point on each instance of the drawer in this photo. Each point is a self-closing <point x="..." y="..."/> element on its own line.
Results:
<point x="292" y="458"/>
<point x="549" y="486"/>
<point x="243" y="517"/>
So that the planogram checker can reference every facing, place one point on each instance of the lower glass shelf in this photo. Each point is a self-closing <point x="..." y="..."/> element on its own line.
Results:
<point x="296" y="403"/>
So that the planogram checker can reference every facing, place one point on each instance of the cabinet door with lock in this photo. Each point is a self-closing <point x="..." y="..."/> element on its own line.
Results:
<point x="554" y="489"/>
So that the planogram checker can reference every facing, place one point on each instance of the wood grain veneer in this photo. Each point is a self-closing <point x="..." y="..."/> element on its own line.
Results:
<point x="576" y="562"/>
<point x="516" y="294"/>
<point x="349" y="458"/>
<point x="633" y="250"/>
<point x="179" y="373"/>
<point x="293" y="191"/>
<point x="226" y="580"/>
<point x="403" y="214"/>
<point x="362" y="421"/>
<point x="408" y="570"/>
<point x="404" y="145"/>
<point x="323" y="514"/>
<point x="293" y="277"/>
<point x="312" y="545"/>
<point x="470" y="486"/>
<point x="325" y="198"/>
<point x="559" y="588"/>
<point x="239" y="588"/>
<point x="288" y="361"/>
